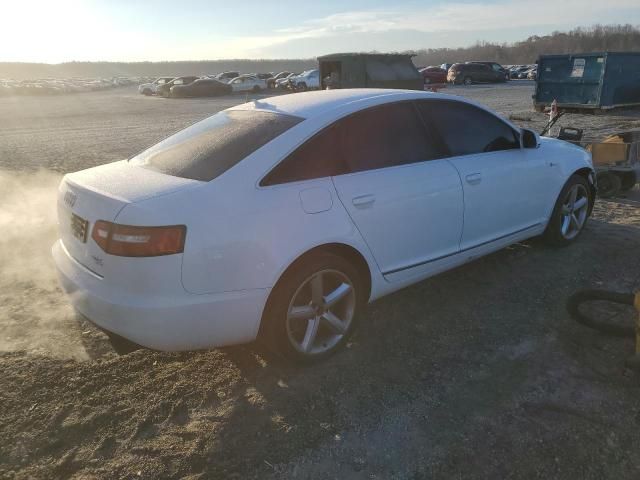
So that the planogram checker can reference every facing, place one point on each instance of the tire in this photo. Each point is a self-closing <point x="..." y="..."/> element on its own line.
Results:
<point x="296" y="326"/>
<point x="568" y="220"/>
<point x="627" y="181"/>
<point x="609" y="184"/>
<point x="147" y="92"/>
<point x="467" y="81"/>
<point x="584" y="296"/>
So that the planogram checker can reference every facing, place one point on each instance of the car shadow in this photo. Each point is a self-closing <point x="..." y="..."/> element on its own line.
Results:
<point x="486" y="347"/>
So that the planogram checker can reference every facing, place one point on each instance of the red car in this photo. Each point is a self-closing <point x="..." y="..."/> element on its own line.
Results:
<point x="434" y="75"/>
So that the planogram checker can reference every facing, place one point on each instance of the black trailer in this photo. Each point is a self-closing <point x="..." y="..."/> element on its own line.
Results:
<point x="369" y="70"/>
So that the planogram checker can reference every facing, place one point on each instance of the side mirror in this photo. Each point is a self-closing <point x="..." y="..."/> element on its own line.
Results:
<point x="530" y="139"/>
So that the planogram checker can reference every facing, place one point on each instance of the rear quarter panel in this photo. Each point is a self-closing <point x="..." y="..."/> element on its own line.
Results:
<point x="243" y="237"/>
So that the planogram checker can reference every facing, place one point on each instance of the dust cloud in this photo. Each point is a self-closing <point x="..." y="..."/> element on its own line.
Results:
<point x="35" y="315"/>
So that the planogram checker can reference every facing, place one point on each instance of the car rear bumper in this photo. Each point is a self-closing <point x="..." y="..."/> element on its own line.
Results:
<point x="181" y="321"/>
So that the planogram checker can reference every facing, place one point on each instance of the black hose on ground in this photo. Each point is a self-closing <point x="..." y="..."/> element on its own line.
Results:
<point x="583" y="296"/>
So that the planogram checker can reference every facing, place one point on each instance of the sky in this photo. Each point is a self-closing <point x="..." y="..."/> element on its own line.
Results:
<point x="54" y="31"/>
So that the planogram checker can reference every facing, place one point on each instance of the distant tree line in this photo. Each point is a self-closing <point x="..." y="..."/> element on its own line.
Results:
<point x="580" y="40"/>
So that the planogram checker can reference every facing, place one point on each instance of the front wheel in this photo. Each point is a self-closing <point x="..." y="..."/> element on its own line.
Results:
<point x="314" y="308"/>
<point x="570" y="212"/>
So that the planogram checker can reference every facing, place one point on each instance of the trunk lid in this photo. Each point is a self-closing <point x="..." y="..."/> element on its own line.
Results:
<point x="100" y="193"/>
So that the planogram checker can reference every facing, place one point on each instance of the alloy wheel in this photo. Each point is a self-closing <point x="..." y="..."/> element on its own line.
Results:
<point x="321" y="312"/>
<point x="574" y="211"/>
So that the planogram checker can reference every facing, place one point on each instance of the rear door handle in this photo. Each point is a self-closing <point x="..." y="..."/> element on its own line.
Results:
<point x="362" y="201"/>
<point x="473" y="178"/>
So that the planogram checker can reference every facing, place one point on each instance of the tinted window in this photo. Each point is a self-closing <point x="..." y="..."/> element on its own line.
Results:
<point x="317" y="158"/>
<point x="466" y="129"/>
<point x="384" y="136"/>
<point x="210" y="147"/>
<point x="375" y="138"/>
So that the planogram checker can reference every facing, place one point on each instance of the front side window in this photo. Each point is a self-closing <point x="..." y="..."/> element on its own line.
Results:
<point x="209" y="148"/>
<point x="466" y="129"/>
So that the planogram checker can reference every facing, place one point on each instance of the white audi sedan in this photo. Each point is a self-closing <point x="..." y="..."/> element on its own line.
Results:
<point x="279" y="219"/>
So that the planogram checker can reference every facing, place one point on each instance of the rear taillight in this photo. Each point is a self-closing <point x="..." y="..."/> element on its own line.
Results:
<point x="131" y="241"/>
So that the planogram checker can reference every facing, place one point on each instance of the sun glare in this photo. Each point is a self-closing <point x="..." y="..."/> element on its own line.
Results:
<point x="45" y="31"/>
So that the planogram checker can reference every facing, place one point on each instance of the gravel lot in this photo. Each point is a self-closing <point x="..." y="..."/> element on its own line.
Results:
<point x="476" y="373"/>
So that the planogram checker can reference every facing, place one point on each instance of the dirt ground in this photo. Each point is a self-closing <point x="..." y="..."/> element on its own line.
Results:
<point x="475" y="373"/>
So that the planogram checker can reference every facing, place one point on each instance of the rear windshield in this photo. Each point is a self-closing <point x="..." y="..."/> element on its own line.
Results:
<point x="209" y="148"/>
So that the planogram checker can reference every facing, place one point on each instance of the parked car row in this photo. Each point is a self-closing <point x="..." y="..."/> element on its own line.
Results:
<point x="523" y="72"/>
<point x="465" y="73"/>
<point x="230" y="82"/>
<point x="57" y="86"/>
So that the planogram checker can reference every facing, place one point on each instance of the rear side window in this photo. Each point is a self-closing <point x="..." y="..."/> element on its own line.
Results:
<point x="466" y="129"/>
<point x="379" y="137"/>
<point x="318" y="157"/>
<point x="209" y="148"/>
<point x="384" y="136"/>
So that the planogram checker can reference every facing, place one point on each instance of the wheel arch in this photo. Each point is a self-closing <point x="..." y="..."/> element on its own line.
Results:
<point x="589" y="176"/>
<point x="343" y="250"/>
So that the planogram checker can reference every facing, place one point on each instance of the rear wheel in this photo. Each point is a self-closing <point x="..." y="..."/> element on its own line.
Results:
<point x="314" y="308"/>
<point x="467" y="81"/>
<point x="570" y="212"/>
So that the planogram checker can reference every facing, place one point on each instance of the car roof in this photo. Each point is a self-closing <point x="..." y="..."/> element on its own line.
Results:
<point x="314" y="103"/>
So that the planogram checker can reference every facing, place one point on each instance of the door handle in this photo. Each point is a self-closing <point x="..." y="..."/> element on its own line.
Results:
<point x="363" y="200"/>
<point x="473" y="178"/>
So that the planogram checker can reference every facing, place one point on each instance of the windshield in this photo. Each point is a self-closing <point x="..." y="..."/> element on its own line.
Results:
<point x="209" y="148"/>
